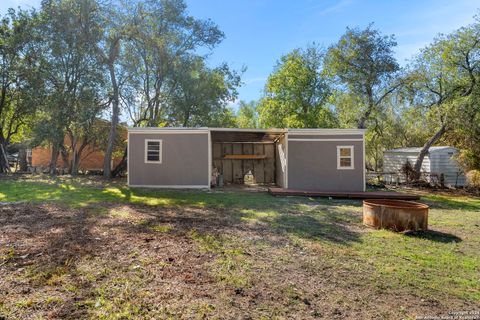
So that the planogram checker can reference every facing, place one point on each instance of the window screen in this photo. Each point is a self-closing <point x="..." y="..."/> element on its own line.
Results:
<point x="153" y="151"/>
<point x="345" y="157"/>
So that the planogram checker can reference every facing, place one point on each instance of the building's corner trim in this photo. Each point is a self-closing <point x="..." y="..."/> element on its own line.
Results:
<point x="364" y="168"/>
<point x="210" y="163"/>
<point x="128" y="158"/>
<point x="286" y="160"/>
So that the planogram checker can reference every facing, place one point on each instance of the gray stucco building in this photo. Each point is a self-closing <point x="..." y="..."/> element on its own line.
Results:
<point x="303" y="159"/>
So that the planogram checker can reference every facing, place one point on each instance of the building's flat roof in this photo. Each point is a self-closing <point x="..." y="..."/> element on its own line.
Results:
<point x="272" y="130"/>
<point x="312" y="131"/>
<point x="326" y="131"/>
<point x="165" y="128"/>
<point x="417" y="149"/>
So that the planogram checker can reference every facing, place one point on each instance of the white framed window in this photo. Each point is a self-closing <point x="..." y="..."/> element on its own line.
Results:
<point x="345" y="157"/>
<point x="153" y="151"/>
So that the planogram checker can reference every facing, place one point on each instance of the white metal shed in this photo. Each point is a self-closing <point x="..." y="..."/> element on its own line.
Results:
<point x="439" y="160"/>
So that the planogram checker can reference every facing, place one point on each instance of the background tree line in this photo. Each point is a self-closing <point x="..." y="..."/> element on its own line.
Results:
<point x="78" y="68"/>
<point x="357" y="82"/>
<point x="73" y="64"/>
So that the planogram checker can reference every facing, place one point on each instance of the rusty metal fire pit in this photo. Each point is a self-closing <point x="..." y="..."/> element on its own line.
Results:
<point x="397" y="215"/>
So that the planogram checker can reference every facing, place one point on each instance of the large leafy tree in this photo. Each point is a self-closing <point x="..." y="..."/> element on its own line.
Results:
<point x="97" y="58"/>
<point x="392" y="128"/>
<point x="74" y="79"/>
<point x="163" y="37"/>
<point x="247" y="115"/>
<point x="465" y="134"/>
<point x="169" y="83"/>
<point x="19" y="84"/>
<point x="200" y="93"/>
<point x="363" y="65"/>
<point x="444" y="80"/>
<point x="296" y="93"/>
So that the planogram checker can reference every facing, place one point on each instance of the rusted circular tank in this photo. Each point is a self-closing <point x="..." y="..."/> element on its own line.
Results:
<point x="397" y="215"/>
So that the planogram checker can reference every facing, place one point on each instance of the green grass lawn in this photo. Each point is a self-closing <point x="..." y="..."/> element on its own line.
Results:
<point x="261" y="256"/>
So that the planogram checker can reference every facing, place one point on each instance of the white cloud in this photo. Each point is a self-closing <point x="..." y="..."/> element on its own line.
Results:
<point x="336" y="7"/>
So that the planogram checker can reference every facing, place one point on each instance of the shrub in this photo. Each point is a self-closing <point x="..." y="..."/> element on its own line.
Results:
<point x="469" y="159"/>
<point x="408" y="171"/>
<point x="473" y="179"/>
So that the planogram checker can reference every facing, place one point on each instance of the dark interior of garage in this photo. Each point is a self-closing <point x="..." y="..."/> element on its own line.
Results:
<point x="245" y="157"/>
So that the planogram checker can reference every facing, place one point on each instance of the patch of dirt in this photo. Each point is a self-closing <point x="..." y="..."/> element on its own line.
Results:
<point x="57" y="252"/>
<point x="143" y="262"/>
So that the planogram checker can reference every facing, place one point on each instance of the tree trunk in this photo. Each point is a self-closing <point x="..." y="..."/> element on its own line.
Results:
<point x="73" y="146"/>
<point x="361" y="124"/>
<point x="77" y="156"/>
<point x="53" y="160"/>
<point x="64" y="154"/>
<point x="122" y="166"/>
<point x="423" y="152"/>
<point x="107" y="162"/>
<point x="75" y="163"/>
<point x="4" y="166"/>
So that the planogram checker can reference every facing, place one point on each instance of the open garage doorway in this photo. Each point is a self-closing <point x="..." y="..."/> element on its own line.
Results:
<point x="247" y="157"/>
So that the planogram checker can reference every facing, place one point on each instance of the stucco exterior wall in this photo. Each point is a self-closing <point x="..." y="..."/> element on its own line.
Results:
<point x="312" y="163"/>
<point x="185" y="160"/>
<point x="92" y="156"/>
<point x="92" y="159"/>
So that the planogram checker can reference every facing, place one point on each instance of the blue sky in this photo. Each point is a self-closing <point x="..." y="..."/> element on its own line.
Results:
<point x="258" y="32"/>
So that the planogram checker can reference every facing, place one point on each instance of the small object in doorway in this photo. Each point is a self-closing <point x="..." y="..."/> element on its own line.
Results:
<point x="249" y="178"/>
<point x="214" y="181"/>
